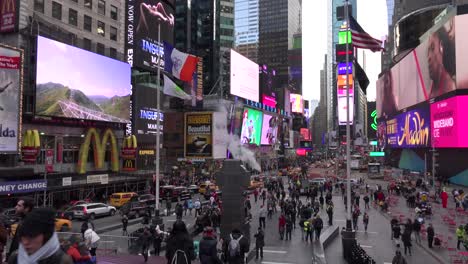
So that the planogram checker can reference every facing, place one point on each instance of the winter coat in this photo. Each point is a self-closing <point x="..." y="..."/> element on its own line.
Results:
<point x="259" y="239"/>
<point x="181" y="242"/>
<point x="207" y="251"/>
<point x="244" y="249"/>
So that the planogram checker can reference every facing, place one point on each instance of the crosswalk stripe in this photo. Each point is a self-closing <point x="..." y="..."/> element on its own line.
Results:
<point x="364" y="246"/>
<point x="275" y="251"/>
<point x="271" y="262"/>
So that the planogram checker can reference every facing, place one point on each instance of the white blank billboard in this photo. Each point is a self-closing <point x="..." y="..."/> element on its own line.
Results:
<point x="342" y="110"/>
<point x="244" y="77"/>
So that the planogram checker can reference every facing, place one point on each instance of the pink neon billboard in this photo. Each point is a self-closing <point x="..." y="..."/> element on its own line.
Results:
<point x="449" y="123"/>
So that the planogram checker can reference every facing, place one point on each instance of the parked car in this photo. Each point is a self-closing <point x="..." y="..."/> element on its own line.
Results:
<point x="67" y="213"/>
<point x="175" y="193"/>
<point x="78" y="202"/>
<point x="134" y="209"/>
<point x="93" y="210"/>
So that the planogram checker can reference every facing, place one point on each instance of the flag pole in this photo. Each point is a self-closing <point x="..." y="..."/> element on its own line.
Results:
<point x="158" y="132"/>
<point x="348" y="143"/>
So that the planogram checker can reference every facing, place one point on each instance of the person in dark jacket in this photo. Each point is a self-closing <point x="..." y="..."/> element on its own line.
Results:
<point x="259" y="243"/>
<point x="23" y="207"/>
<point x="179" y="246"/>
<point x="235" y="247"/>
<point x="430" y="235"/>
<point x="39" y="242"/>
<point x="289" y="227"/>
<point x="318" y="225"/>
<point x="207" y="250"/>
<point x="406" y="238"/>
<point x="179" y="210"/>
<point x="145" y="240"/>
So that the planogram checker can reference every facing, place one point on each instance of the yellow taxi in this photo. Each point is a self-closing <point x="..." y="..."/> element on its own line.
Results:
<point x="61" y="225"/>
<point x="119" y="199"/>
<point x="203" y="187"/>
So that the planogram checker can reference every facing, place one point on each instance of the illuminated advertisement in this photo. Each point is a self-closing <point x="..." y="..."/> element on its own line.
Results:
<point x="342" y="68"/>
<point x="9" y="14"/>
<point x="449" y="123"/>
<point x="382" y="134"/>
<point x="342" y="110"/>
<point x="269" y="130"/>
<point x="11" y="91"/>
<point x="341" y="80"/>
<point x="267" y="82"/>
<point x="142" y="20"/>
<point x="74" y="83"/>
<point x="305" y="133"/>
<point x="409" y="130"/>
<point x="146" y="114"/>
<point x="297" y="105"/>
<point x="251" y="127"/>
<point x="244" y="77"/>
<point x="198" y="135"/>
<point x="342" y="91"/>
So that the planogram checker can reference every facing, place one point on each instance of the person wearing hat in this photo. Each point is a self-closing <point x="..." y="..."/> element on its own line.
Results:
<point x="74" y="252"/>
<point x="179" y="246"/>
<point x="39" y="243"/>
<point x="208" y="251"/>
<point x="23" y="207"/>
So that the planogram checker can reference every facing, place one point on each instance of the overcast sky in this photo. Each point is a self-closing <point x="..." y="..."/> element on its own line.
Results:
<point x="372" y="16"/>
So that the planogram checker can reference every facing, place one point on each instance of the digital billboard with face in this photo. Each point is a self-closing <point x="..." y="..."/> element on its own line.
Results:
<point x="297" y="105"/>
<point x="342" y="110"/>
<point x="251" y="127"/>
<point x="244" y="77"/>
<point x="142" y="20"/>
<point x="269" y="130"/>
<point x="74" y="83"/>
<point x="449" y="123"/>
<point x="409" y="130"/>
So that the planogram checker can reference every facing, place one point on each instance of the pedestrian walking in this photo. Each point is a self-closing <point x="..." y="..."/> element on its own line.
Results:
<point x="145" y="240"/>
<point x="330" y="213"/>
<point x="308" y="230"/>
<point x="168" y="206"/>
<point x="23" y="207"/>
<point x="235" y="248"/>
<point x="398" y="258"/>
<point x="124" y="225"/>
<point x="91" y="239"/>
<point x="197" y="206"/>
<point x="318" y="225"/>
<point x="460" y="232"/>
<point x="322" y="201"/>
<point x="259" y="243"/>
<point x="406" y="238"/>
<point x="396" y="234"/>
<point x="179" y="246"/>
<point x="281" y="225"/>
<point x="365" y="221"/>
<point x="430" y="235"/>
<point x="190" y="205"/>
<point x="417" y="231"/>
<point x="366" y="201"/>
<point x="393" y="222"/>
<point x="289" y="227"/>
<point x="355" y="216"/>
<point x="208" y="251"/>
<point x="179" y="211"/>
<point x="256" y="194"/>
<point x="262" y="214"/>
<point x="157" y="239"/>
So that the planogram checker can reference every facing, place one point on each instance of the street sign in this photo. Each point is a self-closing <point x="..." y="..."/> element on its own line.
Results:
<point x="377" y="154"/>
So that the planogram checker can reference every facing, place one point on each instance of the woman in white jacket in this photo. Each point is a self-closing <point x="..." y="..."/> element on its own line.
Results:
<point x="91" y="241"/>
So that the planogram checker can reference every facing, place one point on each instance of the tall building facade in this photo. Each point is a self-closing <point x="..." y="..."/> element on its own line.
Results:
<point x="334" y="24"/>
<point x="246" y="28"/>
<point x="279" y="20"/>
<point x="319" y="120"/>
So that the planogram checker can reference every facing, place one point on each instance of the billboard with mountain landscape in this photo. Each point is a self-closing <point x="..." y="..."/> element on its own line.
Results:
<point x="74" y="83"/>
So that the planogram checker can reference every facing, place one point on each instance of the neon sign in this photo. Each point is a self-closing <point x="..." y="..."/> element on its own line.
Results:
<point x="374" y="120"/>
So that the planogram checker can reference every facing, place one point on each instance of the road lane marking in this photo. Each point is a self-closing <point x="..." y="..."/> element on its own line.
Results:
<point x="364" y="246"/>
<point x="368" y="232"/>
<point x="271" y="262"/>
<point x="275" y="251"/>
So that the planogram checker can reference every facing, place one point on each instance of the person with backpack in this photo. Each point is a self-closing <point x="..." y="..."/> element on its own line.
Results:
<point x="179" y="246"/>
<point x="289" y="227"/>
<point x="259" y="242"/>
<point x="235" y="247"/>
<point x="308" y="230"/>
<point x="318" y="225"/>
<point x="398" y="258"/>
<point x="208" y="251"/>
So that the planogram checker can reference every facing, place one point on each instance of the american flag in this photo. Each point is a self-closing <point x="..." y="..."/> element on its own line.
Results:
<point x="361" y="39"/>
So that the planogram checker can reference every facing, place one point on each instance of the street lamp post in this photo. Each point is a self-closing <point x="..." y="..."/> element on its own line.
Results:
<point x="157" y="220"/>
<point x="348" y="137"/>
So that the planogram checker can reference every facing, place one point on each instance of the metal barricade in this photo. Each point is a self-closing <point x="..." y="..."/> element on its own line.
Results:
<point x="108" y="244"/>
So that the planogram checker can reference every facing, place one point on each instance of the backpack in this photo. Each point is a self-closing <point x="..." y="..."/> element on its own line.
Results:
<point x="234" y="247"/>
<point x="437" y="241"/>
<point x="175" y="258"/>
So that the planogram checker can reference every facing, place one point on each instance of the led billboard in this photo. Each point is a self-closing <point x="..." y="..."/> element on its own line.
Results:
<point x="74" y="83"/>
<point x="305" y="133"/>
<point x="342" y="37"/>
<point x="244" y="77"/>
<point x="142" y="20"/>
<point x="269" y="130"/>
<point x="342" y="68"/>
<point x="251" y="127"/>
<point x="297" y="105"/>
<point x="198" y="135"/>
<point x="11" y="70"/>
<point x="449" y="123"/>
<point x="267" y="79"/>
<point x="409" y="130"/>
<point x="342" y="110"/>
<point x="146" y="114"/>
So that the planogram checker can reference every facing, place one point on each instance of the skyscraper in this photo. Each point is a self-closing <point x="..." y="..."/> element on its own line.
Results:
<point x="246" y="28"/>
<point x="279" y="20"/>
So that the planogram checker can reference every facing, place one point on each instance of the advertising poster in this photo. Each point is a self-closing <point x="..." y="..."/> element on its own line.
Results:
<point x="251" y="127"/>
<point x="74" y="83"/>
<point x="382" y="134"/>
<point x="244" y="77"/>
<point x="267" y="82"/>
<point x="49" y="160"/>
<point x="9" y="13"/>
<point x="142" y="20"/>
<point x="297" y="105"/>
<point x="10" y="96"/>
<point x="305" y="134"/>
<point x="449" y="123"/>
<point x="269" y="130"/>
<point x="409" y="130"/>
<point x="146" y="114"/>
<point x="198" y="135"/>
<point x="342" y="115"/>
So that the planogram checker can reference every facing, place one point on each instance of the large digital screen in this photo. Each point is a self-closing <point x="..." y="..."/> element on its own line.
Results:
<point x="342" y="68"/>
<point x="269" y="130"/>
<point x="342" y="110"/>
<point x="449" y="123"/>
<point x="146" y="114"/>
<point x="305" y="133"/>
<point x="409" y="130"/>
<point x="251" y="127"/>
<point x="244" y="77"/>
<point x="267" y="79"/>
<point x="142" y="20"/>
<point x="75" y="83"/>
<point x="297" y="105"/>
<point x="11" y="70"/>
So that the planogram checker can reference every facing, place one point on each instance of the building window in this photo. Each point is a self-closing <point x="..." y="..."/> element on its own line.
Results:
<point x="39" y="6"/>
<point x="101" y="28"/>
<point x="72" y="17"/>
<point x="102" y="7"/>
<point x="113" y="33"/>
<point x="113" y="53"/>
<point x="100" y="48"/>
<point x="87" y="44"/>
<point x="88" y="4"/>
<point x="113" y="12"/>
<point x="87" y="23"/>
<point x="56" y="10"/>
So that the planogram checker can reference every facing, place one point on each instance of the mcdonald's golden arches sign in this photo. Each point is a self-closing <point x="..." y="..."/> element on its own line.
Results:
<point x="9" y="15"/>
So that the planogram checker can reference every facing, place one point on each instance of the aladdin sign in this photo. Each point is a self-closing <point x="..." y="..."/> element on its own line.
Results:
<point x="409" y="130"/>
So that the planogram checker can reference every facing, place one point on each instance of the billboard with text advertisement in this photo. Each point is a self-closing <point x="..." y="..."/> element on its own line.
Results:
<point x="410" y="129"/>
<point x="9" y="15"/>
<point x="449" y="123"/>
<point x="199" y="135"/>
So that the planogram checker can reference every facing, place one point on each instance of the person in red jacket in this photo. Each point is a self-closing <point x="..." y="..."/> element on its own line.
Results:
<point x="282" y="225"/>
<point x="444" y="197"/>
<point x="74" y="252"/>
